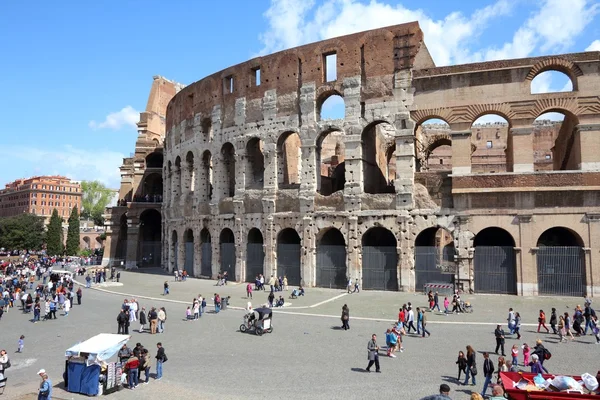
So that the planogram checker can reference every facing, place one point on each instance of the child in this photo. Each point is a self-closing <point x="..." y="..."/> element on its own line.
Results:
<point x="21" y="344"/>
<point x="526" y="352"/>
<point x="461" y="362"/>
<point x="249" y="291"/>
<point x="515" y="355"/>
<point x="196" y="309"/>
<point x="188" y="314"/>
<point x="446" y="304"/>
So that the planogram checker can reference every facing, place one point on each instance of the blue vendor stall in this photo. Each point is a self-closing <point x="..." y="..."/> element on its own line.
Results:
<point x="88" y="369"/>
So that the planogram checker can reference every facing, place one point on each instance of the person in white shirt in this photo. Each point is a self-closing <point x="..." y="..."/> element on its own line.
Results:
<point x="410" y="319"/>
<point x="133" y="308"/>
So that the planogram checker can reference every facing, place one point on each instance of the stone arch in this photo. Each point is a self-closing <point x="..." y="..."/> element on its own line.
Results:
<point x="376" y="138"/>
<point x="255" y="164"/>
<point x="154" y="160"/>
<point x="494" y="261"/>
<point x="206" y="129"/>
<point x="205" y="253"/>
<point x="330" y="154"/>
<point x="150" y="238"/>
<point x="379" y="259"/>
<point x="490" y="142"/>
<point x="331" y="259"/>
<point x="561" y="267"/>
<point x="330" y="106"/>
<point x="434" y="256"/>
<point x="255" y="254"/>
<point x="206" y="181"/>
<point x="289" y="160"/>
<point x="152" y="188"/>
<point x="289" y="258"/>
<point x="87" y="242"/>
<point x="567" y="67"/>
<point x="227" y="176"/>
<point x="566" y="149"/>
<point x="433" y="144"/>
<point x="227" y="252"/>
<point x="190" y="173"/>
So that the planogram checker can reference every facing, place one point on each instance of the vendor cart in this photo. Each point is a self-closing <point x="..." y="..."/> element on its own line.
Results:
<point x="510" y="380"/>
<point x="88" y="369"/>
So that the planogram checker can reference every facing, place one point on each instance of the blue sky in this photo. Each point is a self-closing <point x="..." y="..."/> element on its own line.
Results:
<point x="76" y="74"/>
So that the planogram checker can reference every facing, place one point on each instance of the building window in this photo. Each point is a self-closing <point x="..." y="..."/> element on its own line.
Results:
<point x="330" y="67"/>
<point x="228" y="84"/>
<point x="256" y="76"/>
<point x="489" y="144"/>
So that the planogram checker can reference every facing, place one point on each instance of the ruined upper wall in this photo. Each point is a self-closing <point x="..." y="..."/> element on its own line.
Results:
<point x="375" y="53"/>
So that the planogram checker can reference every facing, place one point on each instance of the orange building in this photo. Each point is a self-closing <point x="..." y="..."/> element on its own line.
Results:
<point x="40" y="195"/>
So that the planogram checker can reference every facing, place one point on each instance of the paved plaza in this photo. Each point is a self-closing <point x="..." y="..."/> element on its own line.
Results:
<point x="306" y="357"/>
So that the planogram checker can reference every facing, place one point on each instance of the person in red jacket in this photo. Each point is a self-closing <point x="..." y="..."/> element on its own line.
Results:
<point x="132" y="367"/>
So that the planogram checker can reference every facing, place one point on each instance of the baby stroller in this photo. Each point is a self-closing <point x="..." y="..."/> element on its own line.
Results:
<point x="466" y="307"/>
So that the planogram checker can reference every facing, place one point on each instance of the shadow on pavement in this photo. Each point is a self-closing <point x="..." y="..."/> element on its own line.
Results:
<point x="354" y="369"/>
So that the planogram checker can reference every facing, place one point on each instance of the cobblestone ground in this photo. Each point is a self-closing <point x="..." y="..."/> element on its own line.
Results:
<point x="306" y="357"/>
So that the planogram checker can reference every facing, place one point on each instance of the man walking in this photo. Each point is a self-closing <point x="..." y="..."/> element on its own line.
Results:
<point x="488" y="371"/>
<point x="410" y="320"/>
<point x="121" y="318"/>
<point x="436" y="302"/>
<point x="424" y="323"/>
<point x="153" y="317"/>
<point x="161" y="357"/>
<point x="499" y="333"/>
<point x="373" y="354"/>
<point x="511" y="321"/>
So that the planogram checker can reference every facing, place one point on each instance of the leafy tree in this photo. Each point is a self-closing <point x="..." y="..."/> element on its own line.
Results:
<point x="72" y="247"/>
<point x="22" y="232"/>
<point x="95" y="198"/>
<point x="54" y="235"/>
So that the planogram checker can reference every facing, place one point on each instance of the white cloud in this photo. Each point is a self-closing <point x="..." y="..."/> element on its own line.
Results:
<point x="553" y="26"/>
<point x="595" y="46"/>
<point x="127" y="117"/>
<point x="75" y="163"/>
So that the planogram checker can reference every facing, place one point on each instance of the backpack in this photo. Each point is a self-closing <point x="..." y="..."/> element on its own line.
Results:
<point x="7" y="364"/>
<point x="547" y="354"/>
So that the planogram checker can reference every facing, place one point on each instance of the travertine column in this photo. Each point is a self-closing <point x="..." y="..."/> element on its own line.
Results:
<point x="352" y="254"/>
<point x="132" y="245"/>
<point x="588" y="136"/>
<point x="181" y="250"/>
<point x="593" y="281"/>
<point x="353" y="187"/>
<point x="521" y="148"/>
<point x="405" y="168"/>
<point x="308" y="180"/>
<point x="461" y="152"/>
<point x="527" y="283"/>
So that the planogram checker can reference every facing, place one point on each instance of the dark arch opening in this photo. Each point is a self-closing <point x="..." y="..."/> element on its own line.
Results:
<point x="288" y="160"/>
<point x="228" y="256"/>
<point x="379" y="237"/>
<point x="189" y="236"/>
<point x="207" y="176"/>
<point x="377" y="139"/>
<point x="288" y="236"/>
<point x="255" y="168"/>
<point x="204" y="236"/>
<point x="205" y="253"/>
<point x="228" y="154"/>
<point x="434" y="236"/>
<point x="227" y="236"/>
<point x="434" y="257"/>
<point x="206" y="126"/>
<point x="493" y="236"/>
<point x="333" y="237"/>
<point x="255" y="236"/>
<point x="559" y="236"/>
<point x="152" y="188"/>
<point x="154" y="160"/>
<point x="331" y="156"/>
<point x="150" y="238"/>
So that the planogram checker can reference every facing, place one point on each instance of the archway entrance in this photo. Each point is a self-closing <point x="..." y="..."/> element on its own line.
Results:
<point x="379" y="260"/>
<point x="434" y="257"/>
<point x="495" y="262"/>
<point x="205" y="253"/>
<point x="227" y="241"/>
<point x="560" y="263"/>
<point x="331" y="260"/>
<point x="189" y="252"/>
<point x="288" y="256"/>
<point x="255" y="255"/>
<point x="149" y="250"/>
<point x="174" y="252"/>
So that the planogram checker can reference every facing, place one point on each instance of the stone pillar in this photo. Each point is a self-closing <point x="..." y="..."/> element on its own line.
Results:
<point x="588" y="136"/>
<point x="461" y="152"/>
<point x="216" y="255"/>
<point x="175" y="186"/>
<point x="269" y="246"/>
<point x="181" y="250"/>
<point x="463" y="244"/>
<point x="405" y="165"/>
<point x="353" y="188"/>
<point x="521" y="148"/>
<point x="352" y="253"/>
<point x="110" y="248"/>
<point x="132" y="245"/>
<point x="240" y="249"/>
<point x="166" y="187"/>
<point x="406" y="255"/>
<point x="308" y="180"/>
<point x="527" y="284"/>
<point x="593" y="260"/>
<point x="309" y="253"/>
<point x="197" y="253"/>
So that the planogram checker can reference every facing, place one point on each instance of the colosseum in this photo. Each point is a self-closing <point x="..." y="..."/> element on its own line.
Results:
<point x="406" y="187"/>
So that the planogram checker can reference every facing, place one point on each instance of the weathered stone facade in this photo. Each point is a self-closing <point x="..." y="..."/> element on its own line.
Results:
<point x="255" y="183"/>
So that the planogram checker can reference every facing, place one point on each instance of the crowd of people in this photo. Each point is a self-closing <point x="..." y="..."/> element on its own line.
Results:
<point x="138" y="360"/>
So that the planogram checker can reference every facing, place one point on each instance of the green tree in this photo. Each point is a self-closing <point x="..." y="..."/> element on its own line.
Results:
<point x="72" y="247"/>
<point x="54" y="235"/>
<point x="95" y="198"/>
<point x="23" y="231"/>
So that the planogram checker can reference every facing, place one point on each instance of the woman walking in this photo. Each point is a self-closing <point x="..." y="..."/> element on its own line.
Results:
<point x="462" y="364"/>
<point x="517" y="326"/>
<point x="142" y="319"/>
<point x="553" y="320"/>
<point x="471" y="367"/>
<point x="568" y="326"/>
<point x="542" y="322"/>
<point x="345" y="317"/>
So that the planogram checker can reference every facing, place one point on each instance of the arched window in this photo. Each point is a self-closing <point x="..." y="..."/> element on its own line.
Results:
<point x="330" y="161"/>
<point x="377" y="140"/>
<point x="489" y="138"/>
<point x="332" y="107"/>
<point x="433" y="146"/>
<point x="551" y="81"/>
<point x="555" y="145"/>
<point x="255" y="164"/>
<point x="289" y="160"/>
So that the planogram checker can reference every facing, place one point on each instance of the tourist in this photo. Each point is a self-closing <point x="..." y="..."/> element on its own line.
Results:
<point x="446" y="304"/>
<point x="21" y="344"/>
<point x="536" y="365"/>
<point x="349" y="285"/>
<point x="561" y="329"/>
<point x="345" y="317"/>
<point x="165" y="288"/>
<point x="511" y="321"/>
<point x="542" y="352"/>
<point x="67" y="307"/>
<point x="424" y="324"/>
<point x="514" y="352"/>
<point x="419" y="320"/>
<point x="502" y="367"/>
<point x="36" y="312"/>
<point x="133" y="310"/>
<point x="488" y="372"/>
<point x="176" y="273"/>
<point x="162" y="319"/>
<point x="270" y="299"/>
<point x="121" y="319"/>
<point x="145" y="364"/>
<point x="444" y="394"/>
<point x="461" y="362"/>
<point x="373" y="350"/>
<point x="202" y="304"/>
<point x="517" y="325"/>
<point x="568" y="326"/>
<point x="196" y="309"/>
<point x="475" y="396"/>
<point x="153" y="318"/>
<point x="88" y="281"/>
<point x="436" y="302"/>
<point x="124" y="354"/>
<point x="285" y="283"/>
<point x="45" y="390"/>
<point x="542" y="322"/>
<point x="217" y="302"/>
<point x="142" y="319"/>
<point x="356" y="287"/>
<point x="497" y="393"/>
<point x="272" y="283"/>
<point x="132" y="367"/>
<point x="161" y="358"/>
<point x="471" y="366"/>
<point x="188" y="314"/>
<point x="4" y="362"/>
<point x="578" y="320"/>
<point x="553" y="320"/>
<point x="79" y="294"/>
<point x="526" y="354"/>
<point x="499" y="333"/>
<point x="410" y="320"/>
<point x="588" y="313"/>
<point x="249" y="291"/>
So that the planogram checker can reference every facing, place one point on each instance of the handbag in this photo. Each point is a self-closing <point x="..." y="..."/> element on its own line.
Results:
<point x="474" y="370"/>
